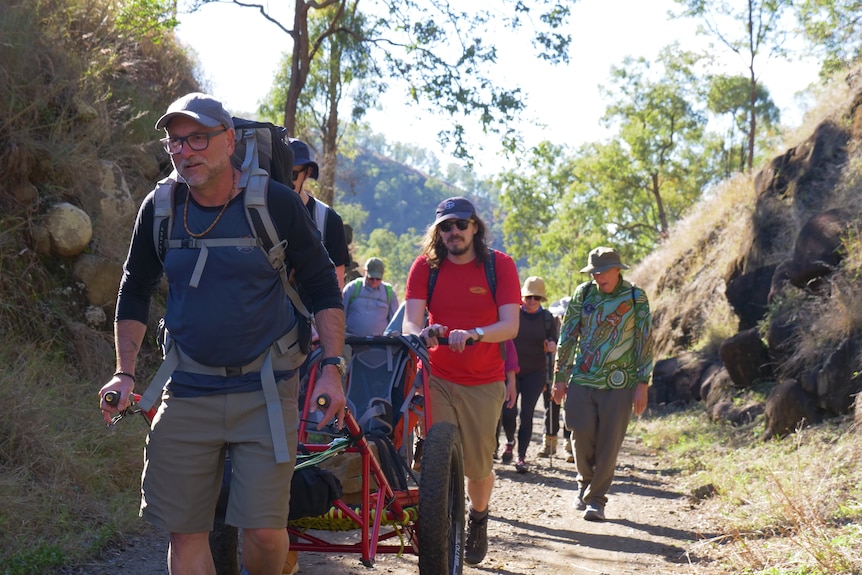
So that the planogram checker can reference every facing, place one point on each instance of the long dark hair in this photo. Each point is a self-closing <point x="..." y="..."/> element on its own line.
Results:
<point x="434" y="250"/>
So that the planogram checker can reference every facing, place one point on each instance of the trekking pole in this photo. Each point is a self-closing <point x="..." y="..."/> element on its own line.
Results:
<point x="112" y="398"/>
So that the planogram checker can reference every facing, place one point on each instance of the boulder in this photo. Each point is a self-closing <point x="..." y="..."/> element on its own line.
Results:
<point x="817" y="250"/>
<point x="748" y="294"/>
<point x="716" y="388"/>
<point x="788" y="406"/>
<point x="69" y="229"/>
<point x="113" y="211"/>
<point x="745" y="358"/>
<point x="678" y="378"/>
<point x="101" y="278"/>
<point x="781" y="332"/>
<point x="838" y="380"/>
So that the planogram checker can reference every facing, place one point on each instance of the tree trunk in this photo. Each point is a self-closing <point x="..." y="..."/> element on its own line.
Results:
<point x="656" y="192"/>
<point x="299" y="64"/>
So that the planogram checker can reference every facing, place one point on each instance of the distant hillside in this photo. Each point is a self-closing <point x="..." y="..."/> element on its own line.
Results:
<point x="397" y="197"/>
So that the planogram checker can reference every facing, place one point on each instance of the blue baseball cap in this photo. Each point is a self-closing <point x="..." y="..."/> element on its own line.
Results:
<point x="302" y="156"/>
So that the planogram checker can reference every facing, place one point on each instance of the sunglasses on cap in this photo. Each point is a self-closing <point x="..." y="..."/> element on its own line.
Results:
<point x="446" y="226"/>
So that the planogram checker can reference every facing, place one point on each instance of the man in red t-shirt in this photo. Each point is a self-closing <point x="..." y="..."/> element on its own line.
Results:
<point x="467" y="384"/>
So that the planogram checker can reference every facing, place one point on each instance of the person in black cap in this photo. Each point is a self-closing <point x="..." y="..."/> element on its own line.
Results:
<point x="603" y="370"/>
<point x="327" y="219"/>
<point x="234" y="388"/>
<point x="467" y="382"/>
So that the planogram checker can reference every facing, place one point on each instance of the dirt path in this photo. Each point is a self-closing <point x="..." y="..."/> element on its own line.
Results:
<point x="533" y="529"/>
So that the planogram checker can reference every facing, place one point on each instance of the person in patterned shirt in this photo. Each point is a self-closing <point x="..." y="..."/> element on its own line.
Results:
<point x="603" y="371"/>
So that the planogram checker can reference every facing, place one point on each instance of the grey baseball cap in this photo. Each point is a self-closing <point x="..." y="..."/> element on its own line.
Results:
<point x="202" y="108"/>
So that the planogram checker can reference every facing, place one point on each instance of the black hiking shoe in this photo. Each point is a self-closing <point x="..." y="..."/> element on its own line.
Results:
<point x="508" y="453"/>
<point x="477" y="541"/>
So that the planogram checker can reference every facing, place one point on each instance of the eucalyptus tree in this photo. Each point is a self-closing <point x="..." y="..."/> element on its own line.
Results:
<point x="751" y="29"/>
<point x="660" y="163"/>
<point x="627" y="191"/>
<point x="729" y="96"/>
<point x="443" y="51"/>
<point x="343" y="71"/>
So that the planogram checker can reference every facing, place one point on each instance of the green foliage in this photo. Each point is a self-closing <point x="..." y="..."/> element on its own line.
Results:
<point x="626" y="192"/>
<point x="752" y="30"/>
<point x="730" y="96"/>
<point x="34" y="562"/>
<point x="146" y="19"/>
<point x="397" y="252"/>
<point x="439" y="50"/>
<point x="834" y="29"/>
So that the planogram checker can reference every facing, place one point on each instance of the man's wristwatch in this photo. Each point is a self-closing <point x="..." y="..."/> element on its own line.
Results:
<point x="338" y="362"/>
<point x="480" y="333"/>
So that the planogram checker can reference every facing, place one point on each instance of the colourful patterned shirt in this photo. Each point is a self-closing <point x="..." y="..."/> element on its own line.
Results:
<point x="605" y="339"/>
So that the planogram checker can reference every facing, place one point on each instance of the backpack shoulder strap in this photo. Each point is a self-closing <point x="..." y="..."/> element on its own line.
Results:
<point x="549" y="320"/>
<point x="260" y="219"/>
<point x="432" y="281"/>
<point x="491" y="272"/>
<point x="388" y="293"/>
<point x="163" y="213"/>
<point x="355" y="290"/>
<point x="320" y="218"/>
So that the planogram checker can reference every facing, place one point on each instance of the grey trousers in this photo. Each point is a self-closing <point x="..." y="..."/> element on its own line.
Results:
<point x="598" y="419"/>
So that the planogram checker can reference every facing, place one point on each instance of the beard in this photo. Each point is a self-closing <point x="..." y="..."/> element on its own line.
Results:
<point x="458" y="249"/>
<point x="204" y="171"/>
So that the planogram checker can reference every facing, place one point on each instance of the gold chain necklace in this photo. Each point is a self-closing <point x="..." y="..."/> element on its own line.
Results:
<point x="218" y="217"/>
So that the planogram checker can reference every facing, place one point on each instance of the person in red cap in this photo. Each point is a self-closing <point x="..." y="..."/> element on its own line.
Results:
<point x="467" y="382"/>
<point x="603" y="370"/>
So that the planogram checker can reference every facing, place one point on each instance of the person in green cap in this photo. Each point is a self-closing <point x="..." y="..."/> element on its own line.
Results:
<point x="603" y="371"/>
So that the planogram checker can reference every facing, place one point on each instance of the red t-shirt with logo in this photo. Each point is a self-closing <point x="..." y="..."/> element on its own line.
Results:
<point x="462" y="299"/>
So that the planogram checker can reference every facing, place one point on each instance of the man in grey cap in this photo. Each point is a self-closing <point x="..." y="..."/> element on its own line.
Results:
<point x="369" y="303"/>
<point x="603" y="370"/>
<point x="232" y="328"/>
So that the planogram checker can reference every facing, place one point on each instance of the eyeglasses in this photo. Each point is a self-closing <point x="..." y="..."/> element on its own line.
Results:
<point x="446" y="226"/>
<point x="535" y="297"/>
<point x="296" y="174"/>
<point x="197" y="142"/>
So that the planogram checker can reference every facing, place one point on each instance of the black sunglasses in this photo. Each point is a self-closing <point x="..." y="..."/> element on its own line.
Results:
<point x="296" y="173"/>
<point x="536" y="297"/>
<point x="447" y="225"/>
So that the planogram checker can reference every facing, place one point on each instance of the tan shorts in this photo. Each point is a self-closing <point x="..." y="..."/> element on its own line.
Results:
<point x="184" y="461"/>
<point x="474" y="409"/>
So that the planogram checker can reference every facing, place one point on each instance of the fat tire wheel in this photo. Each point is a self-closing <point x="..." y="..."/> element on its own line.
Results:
<point x="441" y="503"/>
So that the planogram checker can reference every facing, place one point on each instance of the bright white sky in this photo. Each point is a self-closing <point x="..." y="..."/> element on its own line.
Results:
<point x="563" y="103"/>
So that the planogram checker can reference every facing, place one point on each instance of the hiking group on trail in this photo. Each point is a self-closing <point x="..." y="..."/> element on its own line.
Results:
<point x="254" y="266"/>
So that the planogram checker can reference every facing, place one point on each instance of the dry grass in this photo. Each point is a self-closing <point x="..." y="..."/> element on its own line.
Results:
<point x="685" y="276"/>
<point x="68" y="485"/>
<point x="780" y="507"/>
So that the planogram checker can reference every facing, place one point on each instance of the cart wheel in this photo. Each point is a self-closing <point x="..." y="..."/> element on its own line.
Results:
<point x="441" y="503"/>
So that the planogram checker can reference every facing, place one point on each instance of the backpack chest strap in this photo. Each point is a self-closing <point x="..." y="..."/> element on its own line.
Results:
<point x="203" y="244"/>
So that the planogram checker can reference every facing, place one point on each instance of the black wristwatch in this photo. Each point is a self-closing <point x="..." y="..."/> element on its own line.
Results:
<point x="338" y="362"/>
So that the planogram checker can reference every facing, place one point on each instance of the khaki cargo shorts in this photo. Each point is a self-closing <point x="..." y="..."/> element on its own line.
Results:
<point x="185" y="454"/>
<point x="474" y="410"/>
